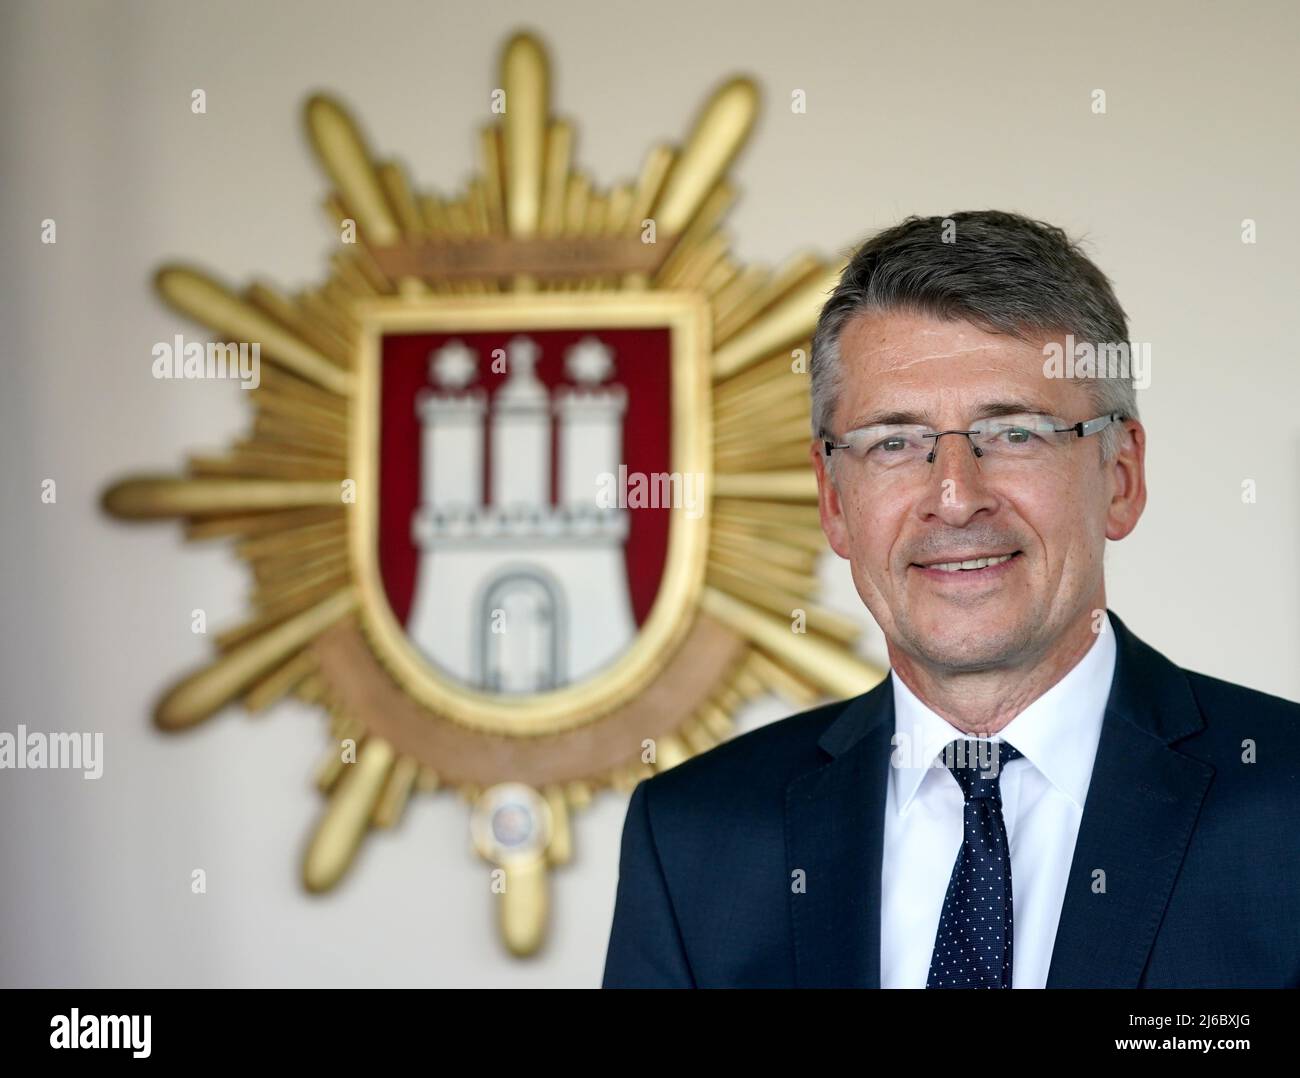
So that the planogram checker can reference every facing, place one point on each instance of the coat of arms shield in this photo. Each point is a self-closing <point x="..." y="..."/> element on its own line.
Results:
<point x="533" y="498"/>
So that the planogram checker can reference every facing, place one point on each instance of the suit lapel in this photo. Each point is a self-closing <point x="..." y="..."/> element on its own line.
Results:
<point x="1138" y="817"/>
<point x="835" y="834"/>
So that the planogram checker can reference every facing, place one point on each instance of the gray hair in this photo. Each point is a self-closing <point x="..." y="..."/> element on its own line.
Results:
<point x="1000" y="271"/>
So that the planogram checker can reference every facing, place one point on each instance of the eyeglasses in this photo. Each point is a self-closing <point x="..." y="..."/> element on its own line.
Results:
<point x="1027" y="438"/>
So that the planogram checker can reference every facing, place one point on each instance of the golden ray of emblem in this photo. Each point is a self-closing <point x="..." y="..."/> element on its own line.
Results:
<point x="415" y="499"/>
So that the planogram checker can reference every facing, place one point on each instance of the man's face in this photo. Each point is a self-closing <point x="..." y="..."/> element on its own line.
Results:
<point x="1053" y="518"/>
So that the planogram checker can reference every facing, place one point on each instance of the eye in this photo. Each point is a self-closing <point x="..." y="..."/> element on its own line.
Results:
<point x="1016" y="435"/>
<point x="894" y="444"/>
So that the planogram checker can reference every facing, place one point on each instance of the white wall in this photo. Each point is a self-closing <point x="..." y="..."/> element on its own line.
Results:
<point x="911" y="108"/>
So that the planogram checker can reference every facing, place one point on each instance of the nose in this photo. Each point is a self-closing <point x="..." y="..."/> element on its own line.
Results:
<point x="956" y="488"/>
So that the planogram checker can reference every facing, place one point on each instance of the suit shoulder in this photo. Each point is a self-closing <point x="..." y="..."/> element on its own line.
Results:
<point x="1250" y="739"/>
<point x="758" y="759"/>
<point x="1225" y="702"/>
<point x="1247" y="739"/>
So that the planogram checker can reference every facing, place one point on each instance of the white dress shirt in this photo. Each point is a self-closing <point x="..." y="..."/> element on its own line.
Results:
<point x="1042" y="803"/>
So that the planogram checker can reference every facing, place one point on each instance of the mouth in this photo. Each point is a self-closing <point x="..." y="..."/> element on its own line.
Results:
<point x="981" y="566"/>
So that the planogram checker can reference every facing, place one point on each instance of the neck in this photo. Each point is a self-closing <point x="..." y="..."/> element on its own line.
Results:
<point x="982" y="702"/>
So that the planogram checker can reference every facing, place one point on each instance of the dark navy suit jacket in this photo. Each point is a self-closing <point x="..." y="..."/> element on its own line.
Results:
<point x="1200" y="849"/>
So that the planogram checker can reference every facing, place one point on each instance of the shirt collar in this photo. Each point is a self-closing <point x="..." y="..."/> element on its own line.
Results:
<point x="1057" y="733"/>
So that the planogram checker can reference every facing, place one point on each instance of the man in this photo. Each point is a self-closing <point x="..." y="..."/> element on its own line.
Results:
<point x="1034" y="797"/>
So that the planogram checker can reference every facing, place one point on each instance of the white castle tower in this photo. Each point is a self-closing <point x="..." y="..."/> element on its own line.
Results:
<point x="519" y="595"/>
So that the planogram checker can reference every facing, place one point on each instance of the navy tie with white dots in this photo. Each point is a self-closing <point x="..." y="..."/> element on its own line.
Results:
<point x="972" y="948"/>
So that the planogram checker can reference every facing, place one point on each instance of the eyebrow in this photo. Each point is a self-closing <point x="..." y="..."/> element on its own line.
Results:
<point x="990" y="410"/>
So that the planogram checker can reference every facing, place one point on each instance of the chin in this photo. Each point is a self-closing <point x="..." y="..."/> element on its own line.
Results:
<point x="970" y="647"/>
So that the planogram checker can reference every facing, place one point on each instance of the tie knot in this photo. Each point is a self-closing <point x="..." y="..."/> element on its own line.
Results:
<point x="977" y="763"/>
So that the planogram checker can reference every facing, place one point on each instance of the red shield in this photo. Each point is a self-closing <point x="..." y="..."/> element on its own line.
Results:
<point x="499" y="549"/>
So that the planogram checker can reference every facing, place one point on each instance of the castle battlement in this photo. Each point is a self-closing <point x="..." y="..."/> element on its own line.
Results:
<point x="430" y="405"/>
<point x="562" y="522"/>
<point x="568" y="400"/>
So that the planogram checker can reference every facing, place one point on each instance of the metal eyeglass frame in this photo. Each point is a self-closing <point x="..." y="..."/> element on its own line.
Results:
<point x="1083" y="429"/>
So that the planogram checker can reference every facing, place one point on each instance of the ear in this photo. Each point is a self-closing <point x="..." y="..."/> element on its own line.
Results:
<point x="1128" y="473"/>
<point x="828" y="501"/>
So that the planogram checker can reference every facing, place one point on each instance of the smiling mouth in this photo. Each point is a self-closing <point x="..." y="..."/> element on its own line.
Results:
<point x="969" y="564"/>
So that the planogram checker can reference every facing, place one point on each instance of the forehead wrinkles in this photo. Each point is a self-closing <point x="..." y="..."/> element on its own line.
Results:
<point x="895" y="359"/>
<point x="901" y="340"/>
